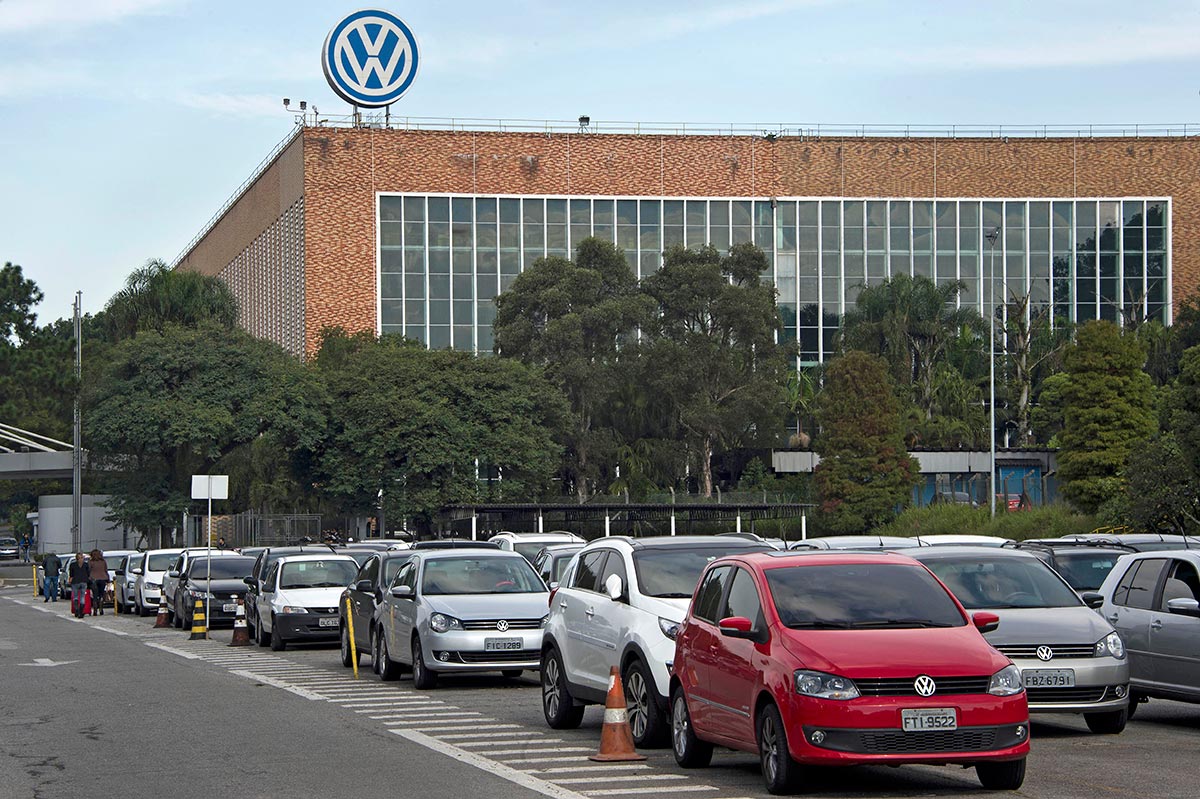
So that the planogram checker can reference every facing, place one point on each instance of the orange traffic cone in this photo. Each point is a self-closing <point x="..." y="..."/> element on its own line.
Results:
<point x="161" y="619"/>
<point x="241" y="634"/>
<point x="616" y="739"/>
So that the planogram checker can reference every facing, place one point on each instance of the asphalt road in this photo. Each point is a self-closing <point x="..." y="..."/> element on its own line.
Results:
<point x="214" y="721"/>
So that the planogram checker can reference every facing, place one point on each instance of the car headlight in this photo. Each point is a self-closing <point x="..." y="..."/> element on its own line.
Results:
<point x="293" y="609"/>
<point x="825" y="686"/>
<point x="545" y="620"/>
<point x="440" y="623"/>
<point x="669" y="628"/>
<point x="1006" y="682"/>
<point x="1110" y="646"/>
<point x="194" y="594"/>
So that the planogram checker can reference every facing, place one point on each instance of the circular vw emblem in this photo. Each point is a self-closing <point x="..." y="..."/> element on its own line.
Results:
<point x="925" y="685"/>
<point x="502" y="625"/>
<point x="370" y="58"/>
<point x="1044" y="653"/>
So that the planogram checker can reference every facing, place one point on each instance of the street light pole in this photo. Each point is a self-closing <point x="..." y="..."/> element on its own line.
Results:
<point x="992" y="237"/>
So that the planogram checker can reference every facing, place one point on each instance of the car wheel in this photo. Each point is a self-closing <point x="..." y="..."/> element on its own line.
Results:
<point x="277" y="642"/>
<point x="387" y="669"/>
<point x="1006" y="776"/>
<point x="646" y="720"/>
<point x="137" y="606"/>
<point x="690" y="751"/>
<point x="1109" y="723"/>
<point x="559" y="707"/>
<point x="423" y="677"/>
<point x="177" y="616"/>
<point x="780" y="773"/>
<point x="511" y="674"/>
<point x="349" y="656"/>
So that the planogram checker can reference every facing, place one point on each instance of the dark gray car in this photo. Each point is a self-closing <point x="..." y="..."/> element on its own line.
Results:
<point x="1153" y="599"/>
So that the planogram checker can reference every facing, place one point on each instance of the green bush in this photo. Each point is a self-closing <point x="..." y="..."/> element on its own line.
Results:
<point x="1049" y="521"/>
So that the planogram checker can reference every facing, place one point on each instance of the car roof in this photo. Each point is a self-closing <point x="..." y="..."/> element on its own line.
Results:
<point x="776" y="558"/>
<point x="1080" y="544"/>
<point x="680" y="541"/>
<point x="549" y="535"/>
<point x="300" y="558"/>
<point x="946" y="551"/>
<point x="857" y="542"/>
<point x="464" y="552"/>
<point x="165" y="551"/>
<point x="454" y="543"/>
<point x="563" y="549"/>
<point x="955" y="538"/>
<point x="1187" y="554"/>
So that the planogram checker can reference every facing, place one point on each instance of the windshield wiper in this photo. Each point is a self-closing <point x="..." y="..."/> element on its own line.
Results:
<point x="672" y="595"/>
<point x="819" y="625"/>
<point x="900" y="623"/>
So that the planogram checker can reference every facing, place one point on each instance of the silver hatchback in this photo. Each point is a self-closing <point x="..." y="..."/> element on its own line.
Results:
<point x="1071" y="659"/>
<point x="465" y="610"/>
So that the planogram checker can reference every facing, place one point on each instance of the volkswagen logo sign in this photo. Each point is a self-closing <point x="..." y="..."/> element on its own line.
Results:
<point x="502" y="625"/>
<point x="925" y="685"/>
<point x="1044" y="653"/>
<point x="370" y="58"/>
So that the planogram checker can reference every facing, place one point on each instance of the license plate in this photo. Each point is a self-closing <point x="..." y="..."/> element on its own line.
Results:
<point x="1049" y="678"/>
<point x="931" y="718"/>
<point x="502" y="644"/>
<point x="229" y="607"/>
<point x="327" y="622"/>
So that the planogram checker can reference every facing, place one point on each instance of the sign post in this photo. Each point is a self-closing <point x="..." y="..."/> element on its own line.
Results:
<point x="210" y="487"/>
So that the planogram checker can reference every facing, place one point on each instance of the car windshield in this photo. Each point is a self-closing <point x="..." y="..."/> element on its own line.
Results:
<point x="980" y="582"/>
<point x="360" y="555"/>
<point x="221" y="568"/>
<point x="861" y="595"/>
<point x="134" y="561"/>
<point x="672" y="572"/>
<point x="559" y="567"/>
<point x="8" y="542"/>
<point x="495" y="575"/>
<point x="317" y="574"/>
<point x="1085" y="570"/>
<point x="160" y="562"/>
<point x="531" y="548"/>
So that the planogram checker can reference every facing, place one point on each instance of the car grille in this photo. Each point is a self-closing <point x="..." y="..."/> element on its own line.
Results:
<point x="1064" y="695"/>
<point x="1029" y="651"/>
<point x="518" y="656"/>
<point x="513" y="624"/>
<point x="904" y="686"/>
<point x="888" y="742"/>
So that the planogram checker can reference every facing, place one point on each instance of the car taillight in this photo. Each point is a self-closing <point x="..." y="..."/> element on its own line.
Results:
<point x="550" y="600"/>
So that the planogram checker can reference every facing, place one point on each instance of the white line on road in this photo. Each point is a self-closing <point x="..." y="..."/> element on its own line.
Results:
<point x="630" y="778"/>
<point x="584" y="766"/>
<point x="172" y="650"/>
<point x="407" y="717"/>
<point x="540" y="760"/>
<point x="440" y="724"/>
<point x="490" y="766"/>
<point x="652" y="789"/>
<point x="510" y="742"/>
<point x="277" y="684"/>
<point x="470" y="736"/>
<point x="539" y="750"/>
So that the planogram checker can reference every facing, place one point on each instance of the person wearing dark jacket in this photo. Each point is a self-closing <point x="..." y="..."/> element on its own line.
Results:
<point x="53" y="568"/>
<point x="77" y="576"/>
<point x="98" y="575"/>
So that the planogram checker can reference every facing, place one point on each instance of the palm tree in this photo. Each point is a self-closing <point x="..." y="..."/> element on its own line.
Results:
<point x="155" y="295"/>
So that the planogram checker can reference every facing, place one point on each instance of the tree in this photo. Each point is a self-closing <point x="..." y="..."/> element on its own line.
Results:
<point x="18" y="296"/>
<point x="1031" y="345"/>
<point x="432" y="428"/>
<point x="155" y="296"/>
<point x="1164" y="490"/>
<point x="1108" y="410"/>
<point x="174" y="402"/>
<point x="865" y="472"/>
<point x="711" y="351"/>
<point x="911" y="322"/>
<point x="571" y="320"/>
<point x="801" y="390"/>
<point x="1185" y="408"/>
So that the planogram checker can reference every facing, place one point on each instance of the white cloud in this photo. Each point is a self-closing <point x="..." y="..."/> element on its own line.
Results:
<point x="228" y="104"/>
<point x="26" y="15"/>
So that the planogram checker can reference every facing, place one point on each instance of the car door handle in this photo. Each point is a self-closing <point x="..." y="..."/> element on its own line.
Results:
<point x="563" y="604"/>
<point x="1156" y="625"/>
<point x="589" y="613"/>
<point x="1113" y="618"/>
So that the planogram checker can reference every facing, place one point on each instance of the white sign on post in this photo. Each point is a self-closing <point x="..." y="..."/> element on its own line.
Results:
<point x="210" y="486"/>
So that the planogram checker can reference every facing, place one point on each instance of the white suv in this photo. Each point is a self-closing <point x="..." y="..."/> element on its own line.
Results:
<point x="529" y="544"/>
<point x="620" y="604"/>
<point x="150" y="574"/>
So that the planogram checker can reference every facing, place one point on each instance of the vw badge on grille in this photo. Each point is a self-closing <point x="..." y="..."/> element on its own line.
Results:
<point x="1045" y="653"/>
<point x="502" y="625"/>
<point x="925" y="685"/>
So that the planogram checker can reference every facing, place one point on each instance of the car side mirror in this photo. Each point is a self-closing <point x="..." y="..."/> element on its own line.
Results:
<point x="172" y="574"/>
<point x="138" y="570"/>
<point x="402" y="591"/>
<point x="1092" y="599"/>
<point x="553" y="585"/>
<point x="613" y="586"/>
<point x="736" y="627"/>
<point x="120" y="572"/>
<point x="985" y="622"/>
<point x="364" y="585"/>
<point x="1184" y="607"/>
<point x="248" y="581"/>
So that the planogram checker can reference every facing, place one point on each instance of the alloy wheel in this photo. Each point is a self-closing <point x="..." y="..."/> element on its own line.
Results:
<point x="640" y="697"/>
<point x="551" y="694"/>
<point x="769" y="747"/>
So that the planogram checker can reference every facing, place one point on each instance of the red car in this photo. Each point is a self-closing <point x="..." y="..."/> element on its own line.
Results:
<point x="842" y="659"/>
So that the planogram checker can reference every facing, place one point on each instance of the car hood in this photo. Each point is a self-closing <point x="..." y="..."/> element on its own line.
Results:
<point x="938" y="652"/>
<point x="311" y="597"/>
<point x="221" y="588"/>
<point x="1078" y="625"/>
<point x="490" y="606"/>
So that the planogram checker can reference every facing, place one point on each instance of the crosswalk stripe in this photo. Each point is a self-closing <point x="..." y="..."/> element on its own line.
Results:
<point x="608" y="779"/>
<point x="652" y="789"/>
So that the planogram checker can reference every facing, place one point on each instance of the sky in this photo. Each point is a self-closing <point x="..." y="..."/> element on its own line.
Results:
<point x="125" y="124"/>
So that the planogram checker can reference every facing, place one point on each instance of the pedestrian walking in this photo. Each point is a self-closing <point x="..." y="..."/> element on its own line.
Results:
<point x="98" y="573"/>
<point x="77" y="576"/>
<point x="52" y="565"/>
<point x="26" y="546"/>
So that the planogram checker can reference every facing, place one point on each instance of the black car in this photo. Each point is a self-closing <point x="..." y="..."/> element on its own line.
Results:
<point x="262" y="565"/>
<point x="1083" y="564"/>
<point x="365" y="593"/>
<point x="216" y="582"/>
<point x="1141" y="542"/>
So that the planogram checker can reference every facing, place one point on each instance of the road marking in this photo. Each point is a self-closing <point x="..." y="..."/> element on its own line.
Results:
<point x="396" y="705"/>
<point x="630" y="778"/>
<point x="277" y="684"/>
<point x="539" y="760"/>
<point x="172" y="650"/>
<point x="490" y="766"/>
<point x="469" y="736"/>
<point x="48" y="662"/>
<point x="584" y="766"/>
<point x="407" y="717"/>
<point x="652" y="789"/>
<point x="441" y="726"/>
<point x="538" y="750"/>
<point x="510" y="742"/>
<point x="435" y="723"/>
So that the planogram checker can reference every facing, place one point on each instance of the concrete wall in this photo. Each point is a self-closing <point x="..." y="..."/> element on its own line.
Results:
<point x="54" y="525"/>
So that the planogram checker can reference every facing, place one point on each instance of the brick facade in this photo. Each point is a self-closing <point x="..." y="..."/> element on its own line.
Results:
<point x="342" y="169"/>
